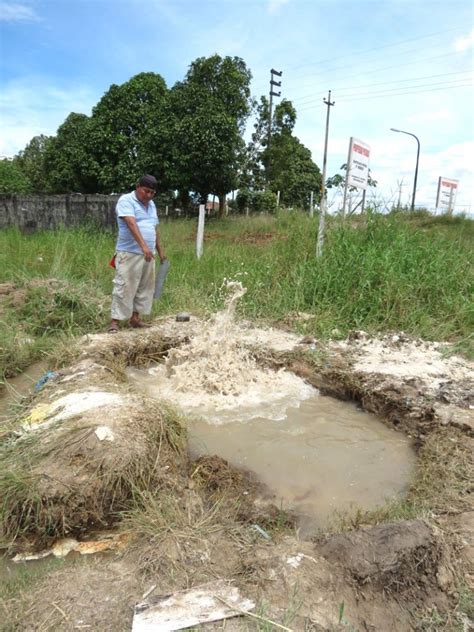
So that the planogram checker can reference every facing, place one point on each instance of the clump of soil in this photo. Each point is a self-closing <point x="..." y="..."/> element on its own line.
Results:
<point x="214" y="474"/>
<point x="247" y="499"/>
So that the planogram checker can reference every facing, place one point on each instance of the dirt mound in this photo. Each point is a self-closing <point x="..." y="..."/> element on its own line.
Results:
<point x="395" y="558"/>
<point x="76" y="469"/>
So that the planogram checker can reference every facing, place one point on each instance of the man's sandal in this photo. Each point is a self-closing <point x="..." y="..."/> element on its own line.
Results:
<point x="113" y="329"/>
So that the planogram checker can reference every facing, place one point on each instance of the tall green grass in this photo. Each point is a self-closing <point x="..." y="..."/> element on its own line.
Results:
<point x="410" y="272"/>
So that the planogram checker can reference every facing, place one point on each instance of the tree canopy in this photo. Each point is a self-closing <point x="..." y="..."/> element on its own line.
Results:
<point x="13" y="179"/>
<point x="284" y="164"/>
<point x="69" y="160"/>
<point x="128" y="133"/>
<point x="31" y="161"/>
<point x="190" y="137"/>
<point x="210" y="109"/>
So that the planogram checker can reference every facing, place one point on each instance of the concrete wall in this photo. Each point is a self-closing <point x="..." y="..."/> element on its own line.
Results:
<point x="44" y="212"/>
<point x="37" y="212"/>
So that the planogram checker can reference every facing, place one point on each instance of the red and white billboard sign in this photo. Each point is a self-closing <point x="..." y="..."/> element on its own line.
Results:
<point x="447" y="190"/>
<point x="358" y="164"/>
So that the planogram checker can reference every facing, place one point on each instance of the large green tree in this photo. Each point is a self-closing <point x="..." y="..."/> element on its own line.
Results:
<point x="210" y="108"/>
<point x="130" y="133"/>
<point x="31" y="161"/>
<point x="69" y="159"/>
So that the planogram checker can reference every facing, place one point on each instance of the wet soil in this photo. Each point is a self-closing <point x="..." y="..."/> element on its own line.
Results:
<point x="402" y="574"/>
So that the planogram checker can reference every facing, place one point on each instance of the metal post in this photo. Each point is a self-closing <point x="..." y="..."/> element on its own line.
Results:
<point x="311" y="204"/>
<point x="450" y="203"/>
<point x="322" y="216"/>
<point x="346" y="182"/>
<point x="392" y="129"/>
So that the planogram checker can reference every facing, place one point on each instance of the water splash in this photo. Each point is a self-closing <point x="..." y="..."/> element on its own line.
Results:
<point x="216" y="375"/>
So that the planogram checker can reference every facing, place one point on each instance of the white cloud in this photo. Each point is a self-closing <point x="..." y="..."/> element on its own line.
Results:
<point x="464" y="43"/>
<point x="443" y="115"/>
<point x="394" y="163"/>
<point x="15" y="12"/>
<point x="33" y="106"/>
<point x="275" y="5"/>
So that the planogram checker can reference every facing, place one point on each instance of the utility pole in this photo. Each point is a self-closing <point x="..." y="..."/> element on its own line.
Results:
<point x="400" y="185"/>
<point x="322" y="215"/>
<point x="273" y="73"/>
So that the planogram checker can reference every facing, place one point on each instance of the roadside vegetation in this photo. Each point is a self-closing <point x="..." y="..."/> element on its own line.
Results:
<point x="379" y="273"/>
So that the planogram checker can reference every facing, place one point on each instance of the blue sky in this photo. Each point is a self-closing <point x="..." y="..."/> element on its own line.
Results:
<point x="406" y="64"/>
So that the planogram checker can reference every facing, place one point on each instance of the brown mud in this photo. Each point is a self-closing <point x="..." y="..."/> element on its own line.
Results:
<point x="88" y="453"/>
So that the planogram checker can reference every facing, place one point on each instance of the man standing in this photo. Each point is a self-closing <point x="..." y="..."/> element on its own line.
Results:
<point x="138" y="241"/>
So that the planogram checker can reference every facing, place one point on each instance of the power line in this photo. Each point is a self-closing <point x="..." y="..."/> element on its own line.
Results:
<point x="333" y="59"/>
<point x="369" y="50"/>
<point x="384" y="83"/>
<point x="382" y="96"/>
<point x="389" y="90"/>
<point x="411" y="63"/>
<point x="408" y="63"/>
<point x="398" y="55"/>
<point x="377" y="95"/>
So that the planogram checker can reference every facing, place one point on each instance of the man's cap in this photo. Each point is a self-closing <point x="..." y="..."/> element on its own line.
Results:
<point x="148" y="181"/>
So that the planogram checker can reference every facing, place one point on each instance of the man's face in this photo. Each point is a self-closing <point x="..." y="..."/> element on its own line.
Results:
<point x="145" y="194"/>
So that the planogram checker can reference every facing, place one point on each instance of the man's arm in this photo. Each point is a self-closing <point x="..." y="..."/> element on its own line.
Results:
<point x="133" y="228"/>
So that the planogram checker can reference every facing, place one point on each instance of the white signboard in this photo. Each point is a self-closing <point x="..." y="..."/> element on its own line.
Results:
<point x="446" y="197"/>
<point x="358" y="164"/>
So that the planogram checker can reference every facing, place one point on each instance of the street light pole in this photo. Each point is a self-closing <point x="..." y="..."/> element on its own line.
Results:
<point x="392" y="129"/>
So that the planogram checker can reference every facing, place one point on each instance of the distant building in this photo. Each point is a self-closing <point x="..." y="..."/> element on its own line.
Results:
<point x="212" y="206"/>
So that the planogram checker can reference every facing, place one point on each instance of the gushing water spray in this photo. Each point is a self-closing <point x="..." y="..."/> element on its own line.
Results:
<point x="216" y="373"/>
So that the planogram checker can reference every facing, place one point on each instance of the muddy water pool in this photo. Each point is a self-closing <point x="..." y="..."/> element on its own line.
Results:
<point x="318" y="456"/>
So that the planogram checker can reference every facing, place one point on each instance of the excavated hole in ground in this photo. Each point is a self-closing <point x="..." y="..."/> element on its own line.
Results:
<point x="319" y="457"/>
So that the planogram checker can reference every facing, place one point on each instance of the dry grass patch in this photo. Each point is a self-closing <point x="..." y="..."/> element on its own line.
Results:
<point x="63" y="479"/>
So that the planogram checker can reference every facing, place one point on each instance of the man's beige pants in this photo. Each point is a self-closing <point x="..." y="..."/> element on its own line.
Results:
<point x="134" y="285"/>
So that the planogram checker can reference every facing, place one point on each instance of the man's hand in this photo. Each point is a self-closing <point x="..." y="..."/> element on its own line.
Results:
<point x="149" y="256"/>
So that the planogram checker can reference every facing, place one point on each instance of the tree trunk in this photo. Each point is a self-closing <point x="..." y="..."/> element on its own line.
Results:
<point x="221" y="197"/>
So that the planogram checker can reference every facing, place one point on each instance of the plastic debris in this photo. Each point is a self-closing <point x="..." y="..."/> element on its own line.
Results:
<point x="37" y="415"/>
<point x="104" y="433"/>
<point x="72" y="404"/>
<point x="63" y="547"/>
<point x="210" y="602"/>
<point x="262" y="532"/>
<point x="49" y="375"/>
<point x="295" y="561"/>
